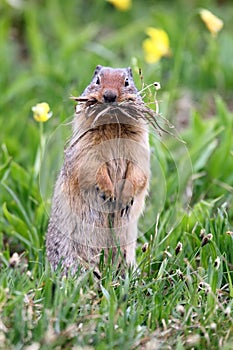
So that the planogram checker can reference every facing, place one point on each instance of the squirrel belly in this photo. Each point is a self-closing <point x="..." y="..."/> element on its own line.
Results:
<point x="101" y="189"/>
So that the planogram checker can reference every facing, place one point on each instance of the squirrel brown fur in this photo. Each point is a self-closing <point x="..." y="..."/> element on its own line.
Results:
<point x="100" y="192"/>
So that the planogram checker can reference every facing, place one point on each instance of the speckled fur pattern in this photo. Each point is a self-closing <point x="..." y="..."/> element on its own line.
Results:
<point x="100" y="191"/>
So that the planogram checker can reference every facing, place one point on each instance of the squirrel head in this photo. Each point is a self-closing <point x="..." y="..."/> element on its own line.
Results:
<point x="111" y="85"/>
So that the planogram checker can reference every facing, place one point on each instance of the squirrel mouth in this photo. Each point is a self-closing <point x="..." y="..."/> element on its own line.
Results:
<point x="92" y="100"/>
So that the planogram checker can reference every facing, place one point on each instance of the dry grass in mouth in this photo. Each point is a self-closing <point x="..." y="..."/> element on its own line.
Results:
<point x="130" y="111"/>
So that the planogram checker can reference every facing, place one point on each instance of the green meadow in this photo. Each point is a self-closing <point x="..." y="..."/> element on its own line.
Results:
<point x="181" y="294"/>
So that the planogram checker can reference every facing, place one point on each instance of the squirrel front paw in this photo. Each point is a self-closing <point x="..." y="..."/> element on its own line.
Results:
<point x="125" y="196"/>
<point x="106" y="195"/>
<point x="119" y="199"/>
<point x="104" y="186"/>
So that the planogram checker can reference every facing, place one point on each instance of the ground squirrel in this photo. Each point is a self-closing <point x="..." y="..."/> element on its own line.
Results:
<point x="101" y="189"/>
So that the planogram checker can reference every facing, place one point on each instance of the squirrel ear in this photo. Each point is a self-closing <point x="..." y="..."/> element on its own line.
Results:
<point x="97" y="69"/>
<point x="129" y="70"/>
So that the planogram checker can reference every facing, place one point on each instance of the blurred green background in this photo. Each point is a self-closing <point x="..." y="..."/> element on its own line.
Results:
<point x="49" y="50"/>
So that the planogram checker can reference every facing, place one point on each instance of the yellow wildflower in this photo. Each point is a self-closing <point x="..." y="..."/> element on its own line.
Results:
<point x="122" y="5"/>
<point x="157" y="45"/>
<point x="41" y="112"/>
<point x="213" y="23"/>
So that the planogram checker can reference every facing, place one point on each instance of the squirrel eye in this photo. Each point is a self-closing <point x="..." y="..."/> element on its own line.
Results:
<point x="126" y="82"/>
<point x="97" y="80"/>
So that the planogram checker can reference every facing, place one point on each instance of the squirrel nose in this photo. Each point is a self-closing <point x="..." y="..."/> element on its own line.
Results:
<point x="110" y="96"/>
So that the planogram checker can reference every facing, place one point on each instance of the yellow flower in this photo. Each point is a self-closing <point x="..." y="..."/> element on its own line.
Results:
<point x="157" y="45"/>
<point x="213" y="23"/>
<point x="41" y="112"/>
<point x="122" y="5"/>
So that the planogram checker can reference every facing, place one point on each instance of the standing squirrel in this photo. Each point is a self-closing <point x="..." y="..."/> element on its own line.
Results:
<point x="101" y="189"/>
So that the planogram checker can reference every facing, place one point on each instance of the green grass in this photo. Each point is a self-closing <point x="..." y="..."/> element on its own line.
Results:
<point x="177" y="299"/>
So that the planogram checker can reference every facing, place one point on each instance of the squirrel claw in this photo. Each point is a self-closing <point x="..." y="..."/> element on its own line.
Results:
<point x="125" y="211"/>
